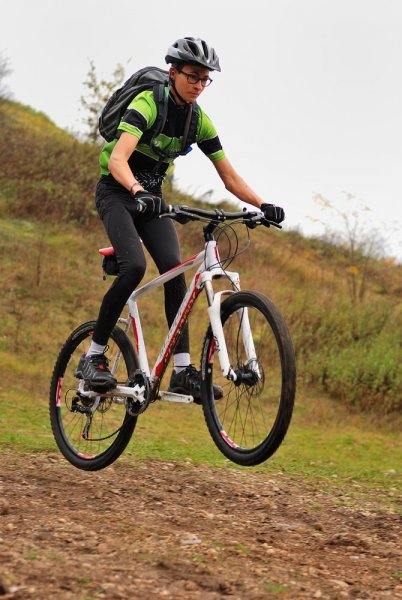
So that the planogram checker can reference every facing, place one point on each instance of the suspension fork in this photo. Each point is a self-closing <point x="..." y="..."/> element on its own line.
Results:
<point x="248" y="340"/>
<point x="214" y="313"/>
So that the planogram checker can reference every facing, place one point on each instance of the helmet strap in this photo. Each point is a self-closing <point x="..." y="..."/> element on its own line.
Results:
<point x="177" y="93"/>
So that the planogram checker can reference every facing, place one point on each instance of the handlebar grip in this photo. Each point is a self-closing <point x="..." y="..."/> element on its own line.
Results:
<point x="187" y="214"/>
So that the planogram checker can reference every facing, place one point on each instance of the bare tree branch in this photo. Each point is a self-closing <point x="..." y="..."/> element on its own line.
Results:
<point x="5" y="70"/>
<point x="359" y="239"/>
<point x="98" y="93"/>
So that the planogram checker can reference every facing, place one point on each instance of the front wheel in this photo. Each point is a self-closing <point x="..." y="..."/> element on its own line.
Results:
<point x="91" y="432"/>
<point x="250" y="421"/>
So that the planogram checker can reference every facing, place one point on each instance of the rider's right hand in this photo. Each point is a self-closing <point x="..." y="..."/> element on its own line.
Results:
<point x="147" y="203"/>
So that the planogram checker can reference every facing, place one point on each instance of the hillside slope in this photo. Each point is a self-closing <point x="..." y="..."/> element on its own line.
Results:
<point x="45" y="172"/>
<point x="348" y="346"/>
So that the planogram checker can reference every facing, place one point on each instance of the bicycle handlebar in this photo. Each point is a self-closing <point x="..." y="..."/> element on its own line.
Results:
<point x="251" y="218"/>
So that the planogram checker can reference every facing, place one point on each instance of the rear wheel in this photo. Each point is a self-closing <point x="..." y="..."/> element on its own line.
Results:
<point x="91" y="432"/>
<point x="251" y="419"/>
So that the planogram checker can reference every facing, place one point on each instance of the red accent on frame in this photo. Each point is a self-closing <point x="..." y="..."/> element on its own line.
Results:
<point x="180" y="264"/>
<point x="135" y="332"/>
<point x="165" y="358"/>
<point x="211" y="352"/>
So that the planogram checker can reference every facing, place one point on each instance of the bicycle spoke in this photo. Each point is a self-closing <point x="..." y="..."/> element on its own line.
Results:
<point x="244" y="422"/>
<point x="90" y="431"/>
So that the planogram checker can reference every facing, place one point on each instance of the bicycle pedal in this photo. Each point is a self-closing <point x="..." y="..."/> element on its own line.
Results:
<point x="172" y="397"/>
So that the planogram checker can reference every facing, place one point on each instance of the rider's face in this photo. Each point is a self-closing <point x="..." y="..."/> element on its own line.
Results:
<point x="189" y="90"/>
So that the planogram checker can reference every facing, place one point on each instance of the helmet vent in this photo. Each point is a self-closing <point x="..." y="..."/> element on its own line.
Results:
<point x="205" y="48"/>
<point x="193" y="50"/>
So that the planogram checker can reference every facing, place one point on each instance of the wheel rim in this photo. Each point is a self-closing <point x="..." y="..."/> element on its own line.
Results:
<point x="89" y="427"/>
<point x="246" y="415"/>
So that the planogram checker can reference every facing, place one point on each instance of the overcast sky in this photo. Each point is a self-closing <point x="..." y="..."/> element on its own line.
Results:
<point x="309" y="99"/>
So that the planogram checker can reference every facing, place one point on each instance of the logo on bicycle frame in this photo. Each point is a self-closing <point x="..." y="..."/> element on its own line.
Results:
<point x="181" y="321"/>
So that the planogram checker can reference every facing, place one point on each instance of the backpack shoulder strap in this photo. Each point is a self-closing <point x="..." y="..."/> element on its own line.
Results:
<point x="161" y="98"/>
<point x="190" y="131"/>
<point x="187" y="127"/>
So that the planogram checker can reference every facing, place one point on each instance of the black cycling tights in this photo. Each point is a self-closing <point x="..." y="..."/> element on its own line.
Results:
<point x="125" y="228"/>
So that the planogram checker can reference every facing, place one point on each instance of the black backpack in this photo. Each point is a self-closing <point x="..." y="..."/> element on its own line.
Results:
<point x="148" y="78"/>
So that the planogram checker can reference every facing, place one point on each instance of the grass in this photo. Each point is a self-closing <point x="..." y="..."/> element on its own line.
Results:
<point x="275" y="588"/>
<point x="340" y="445"/>
<point x="341" y="448"/>
<point x="54" y="282"/>
<point x="242" y="549"/>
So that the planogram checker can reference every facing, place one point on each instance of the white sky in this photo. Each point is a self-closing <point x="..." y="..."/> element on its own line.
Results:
<point x="309" y="99"/>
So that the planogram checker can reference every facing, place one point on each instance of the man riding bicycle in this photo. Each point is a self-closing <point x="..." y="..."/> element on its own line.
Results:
<point x="129" y="201"/>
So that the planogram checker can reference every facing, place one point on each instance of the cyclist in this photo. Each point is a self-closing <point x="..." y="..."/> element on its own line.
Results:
<point x="129" y="201"/>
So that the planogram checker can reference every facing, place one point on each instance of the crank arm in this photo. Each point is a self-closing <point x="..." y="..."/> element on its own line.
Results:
<point x="121" y="391"/>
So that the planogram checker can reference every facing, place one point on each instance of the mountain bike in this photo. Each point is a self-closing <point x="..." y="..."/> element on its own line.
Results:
<point x="247" y="350"/>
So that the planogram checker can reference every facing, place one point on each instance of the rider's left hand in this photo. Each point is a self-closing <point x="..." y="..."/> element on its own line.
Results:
<point x="273" y="213"/>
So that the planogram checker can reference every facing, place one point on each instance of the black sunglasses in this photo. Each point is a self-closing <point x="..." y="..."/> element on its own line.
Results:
<point x="194" y="79"/>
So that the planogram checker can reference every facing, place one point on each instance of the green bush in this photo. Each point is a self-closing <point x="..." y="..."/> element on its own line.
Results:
<point x="353" y="353"/>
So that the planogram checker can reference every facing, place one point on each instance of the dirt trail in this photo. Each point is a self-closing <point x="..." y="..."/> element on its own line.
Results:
<point x="164" y="530"/>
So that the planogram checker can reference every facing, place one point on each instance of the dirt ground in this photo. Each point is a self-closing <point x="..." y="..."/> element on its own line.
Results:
<point x="152" y="529"/>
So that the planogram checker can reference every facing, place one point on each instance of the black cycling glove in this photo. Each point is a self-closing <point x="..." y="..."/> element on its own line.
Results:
<point x="273" y="213"/>
<point x="147" y="203"/>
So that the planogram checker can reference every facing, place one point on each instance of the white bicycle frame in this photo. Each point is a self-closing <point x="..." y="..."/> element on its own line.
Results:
<point x="210" y="268"/>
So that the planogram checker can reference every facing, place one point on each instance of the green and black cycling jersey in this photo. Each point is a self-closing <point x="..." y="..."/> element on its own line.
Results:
<point x="140" y="117"/>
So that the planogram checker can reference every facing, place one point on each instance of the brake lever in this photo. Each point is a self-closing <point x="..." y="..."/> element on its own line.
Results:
<point x="176" y="214"/>
<point x="268" y="223"/>
<point x="170" y="212"/>
<point x="252" y="223"/>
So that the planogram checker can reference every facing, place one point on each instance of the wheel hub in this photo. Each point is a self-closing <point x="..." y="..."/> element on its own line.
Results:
<point x="246" y="375"/>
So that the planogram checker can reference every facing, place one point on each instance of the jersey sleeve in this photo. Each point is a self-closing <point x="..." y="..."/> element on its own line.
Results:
<point x="207" y="138"/>
<point x="140" y="114"/>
